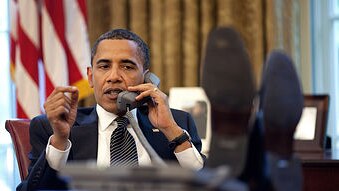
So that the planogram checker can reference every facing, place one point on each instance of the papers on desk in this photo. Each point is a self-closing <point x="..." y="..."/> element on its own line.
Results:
<point x="306" y="126"/>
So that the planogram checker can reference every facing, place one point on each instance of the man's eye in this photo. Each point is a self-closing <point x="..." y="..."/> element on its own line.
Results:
<point x="104" y="66"/>
<point x="128" y="67"/>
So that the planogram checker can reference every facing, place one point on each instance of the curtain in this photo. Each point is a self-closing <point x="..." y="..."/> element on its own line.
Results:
<point x="176" y="30"/>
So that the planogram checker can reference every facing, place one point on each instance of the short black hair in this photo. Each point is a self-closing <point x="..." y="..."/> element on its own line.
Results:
<point x="124" y="34"/>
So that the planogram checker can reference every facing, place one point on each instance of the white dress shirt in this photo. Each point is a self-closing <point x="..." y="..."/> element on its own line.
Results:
<point x="189" y="158"/>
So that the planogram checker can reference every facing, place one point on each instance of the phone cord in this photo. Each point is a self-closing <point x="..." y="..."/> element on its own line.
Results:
<point x="153" y="155"/>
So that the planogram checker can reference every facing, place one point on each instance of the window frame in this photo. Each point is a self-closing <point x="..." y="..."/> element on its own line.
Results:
<point x="324" y="69"/>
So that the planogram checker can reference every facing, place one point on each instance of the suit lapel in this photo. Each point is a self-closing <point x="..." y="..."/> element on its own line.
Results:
<point x="84" y="135"/>
<point x="156" y="138"/>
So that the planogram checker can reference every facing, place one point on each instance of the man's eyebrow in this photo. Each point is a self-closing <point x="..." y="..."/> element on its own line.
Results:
<point x="128" y="61"/>
<point x="105" y="60"/>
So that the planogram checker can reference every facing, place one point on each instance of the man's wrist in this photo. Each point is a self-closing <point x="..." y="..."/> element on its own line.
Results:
<point x="59" y="143"/>
<point x="172" y="132"/>
<point x="179" y="140"/>
<point x="57" y="158"/>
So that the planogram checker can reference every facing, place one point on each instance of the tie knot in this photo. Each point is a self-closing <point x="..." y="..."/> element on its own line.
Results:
<point x="122" y="121"/>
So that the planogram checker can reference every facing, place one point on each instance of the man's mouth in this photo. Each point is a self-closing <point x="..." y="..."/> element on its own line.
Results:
<point x="112" y="93"/>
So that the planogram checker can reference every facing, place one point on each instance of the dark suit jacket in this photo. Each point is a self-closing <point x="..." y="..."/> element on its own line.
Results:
<point x="84" y="138"/>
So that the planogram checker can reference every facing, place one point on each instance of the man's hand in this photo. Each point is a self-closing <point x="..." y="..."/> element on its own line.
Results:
<point x="61" y="109"/>
<point x="159" y="112"/>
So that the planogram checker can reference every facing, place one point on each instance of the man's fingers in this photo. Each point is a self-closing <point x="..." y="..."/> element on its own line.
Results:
<point x="63" y="92"/>
<point x="145" y="90"/>
<point x="57" y="98"/>
<point x="61" y="111"/>
<point x="75" y="95"/>
<point x="142" y="87"/>
<point x="64" y="89"/>
<point x="57" y="104"/>
<point x="143" y="94"/>
<point x="72" y="93"/>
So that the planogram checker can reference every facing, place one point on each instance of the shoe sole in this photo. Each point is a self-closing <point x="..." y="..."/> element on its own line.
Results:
<point x="282" y="105"/>
<point x="228" y="82"/>
<point x="283" y="102"/>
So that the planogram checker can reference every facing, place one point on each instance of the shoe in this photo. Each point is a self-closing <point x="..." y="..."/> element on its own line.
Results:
<point x="228" y="82"/>
<point x="282" y="105"/>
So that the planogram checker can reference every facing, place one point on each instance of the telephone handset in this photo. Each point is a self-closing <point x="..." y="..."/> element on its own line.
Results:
<point x="126" y="99"/>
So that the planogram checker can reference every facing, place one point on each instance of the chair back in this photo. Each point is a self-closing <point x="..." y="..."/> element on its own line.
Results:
<point x="19" y="131"/>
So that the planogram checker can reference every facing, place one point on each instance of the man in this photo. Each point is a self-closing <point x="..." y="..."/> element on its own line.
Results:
<point x="119" y="62"/>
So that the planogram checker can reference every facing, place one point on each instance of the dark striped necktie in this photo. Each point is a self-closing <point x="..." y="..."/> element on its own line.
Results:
<point x="122" y="148"/>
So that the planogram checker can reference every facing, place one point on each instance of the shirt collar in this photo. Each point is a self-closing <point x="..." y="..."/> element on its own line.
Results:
<point x="105" y="118"/>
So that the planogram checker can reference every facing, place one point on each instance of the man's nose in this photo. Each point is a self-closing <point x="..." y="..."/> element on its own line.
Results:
<point x="114" y="75"/>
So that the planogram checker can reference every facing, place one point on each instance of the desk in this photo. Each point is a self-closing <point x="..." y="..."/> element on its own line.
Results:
<point x="321" y="172"/>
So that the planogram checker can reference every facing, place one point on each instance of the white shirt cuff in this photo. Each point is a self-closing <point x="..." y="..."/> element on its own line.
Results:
<point x="190" y="158"/>
<point x="57" y="158"/>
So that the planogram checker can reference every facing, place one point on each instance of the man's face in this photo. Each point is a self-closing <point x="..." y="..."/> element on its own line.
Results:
<point x="116" y="65"/>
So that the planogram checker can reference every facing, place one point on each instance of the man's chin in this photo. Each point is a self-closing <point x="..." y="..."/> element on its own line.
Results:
<point x="111" y="109"/>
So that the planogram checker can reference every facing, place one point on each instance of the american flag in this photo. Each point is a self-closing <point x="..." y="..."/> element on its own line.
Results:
<point x="49" y="48"/>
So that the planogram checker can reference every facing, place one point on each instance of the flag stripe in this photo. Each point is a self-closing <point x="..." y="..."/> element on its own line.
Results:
<point x="82" y="6"/>
<point x="54" y="56"/>
<point x="20" y="111"/>
<point x="56" y="13"/>
<point x="27" y="90"/>
<point x="49" y="87"/>
<point x="29" y="22"/>
<point x="29" y="56"/>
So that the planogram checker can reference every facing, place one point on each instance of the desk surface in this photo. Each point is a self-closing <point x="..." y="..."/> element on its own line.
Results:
<point x="317" y="156"/>
<point x="321" y="171"/>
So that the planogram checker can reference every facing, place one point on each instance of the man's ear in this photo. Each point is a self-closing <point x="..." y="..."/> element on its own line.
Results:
<point x="145" y="72"/>
<point x="90" y="76"/>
